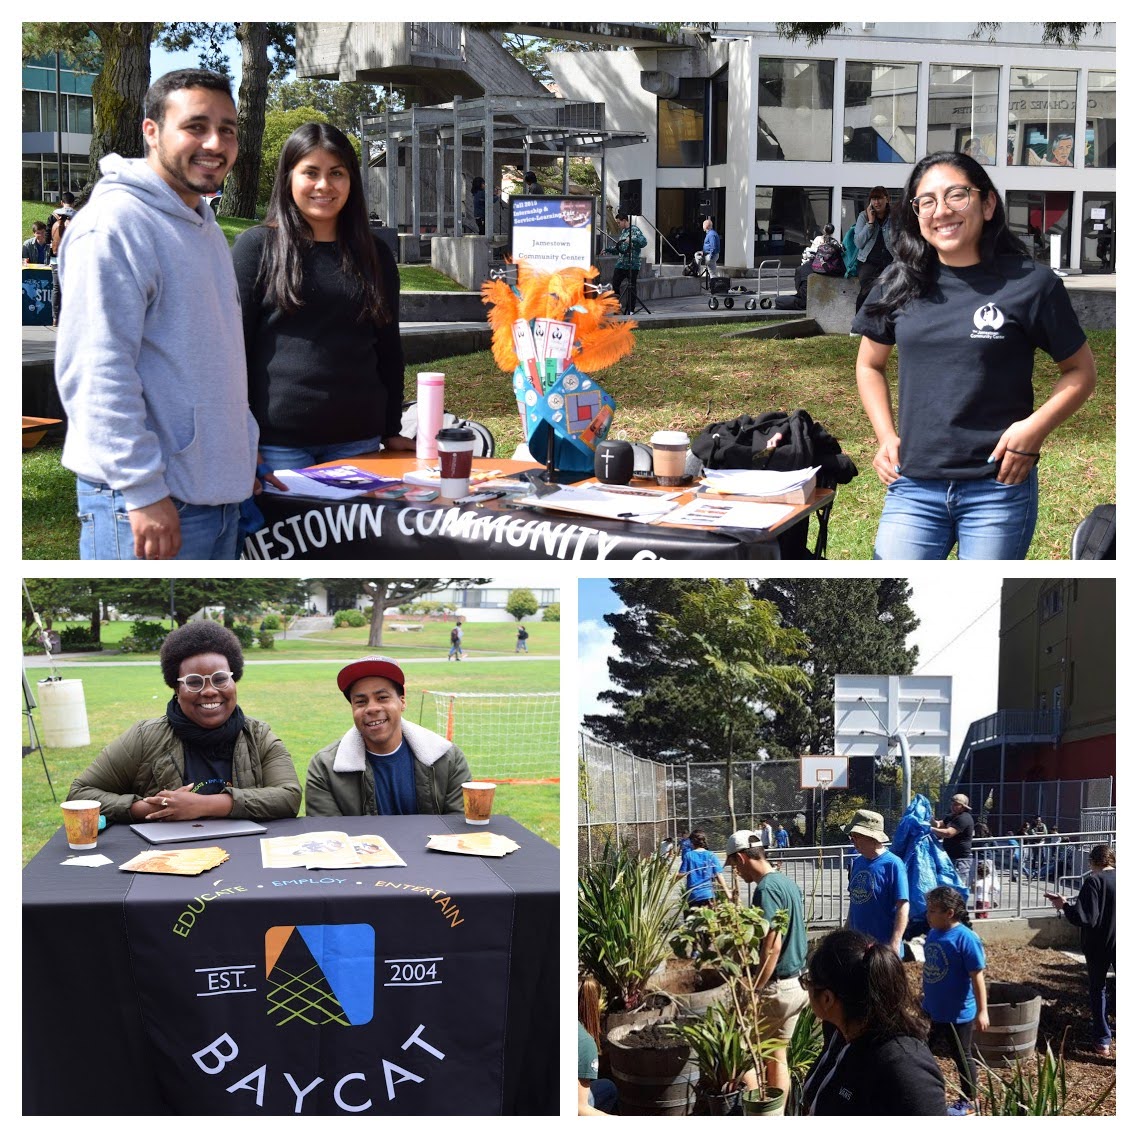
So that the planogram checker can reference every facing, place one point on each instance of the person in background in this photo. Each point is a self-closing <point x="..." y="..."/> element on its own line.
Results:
<point x="594" y="1096"/>
<point x="1093" y="911"/>
<point x="876" y="1060"/>
<point x="700" y="872"/>
<point x="456" y="642"/>
<point x="627" y="249"/>
<point x="520" y="644"/>
<point x="57" y="231"/>
<point x="879" y="885"/>
<point x="955" y="998"/>
<point x="712" y="246"/>
<point x="874" y="238"/>
<point x="956" y="832"/>
<point x="37" y="248"/>
<point x="766" y="834"/>
<point x="530" y="184"/>
<point x="66" y="208"/>
<point x="384" y="764"/>
<point x="320" y="309"/>
<point x="849" y="251"/>
<point x="781" y="998"/>
<point x="150" y="360"/>
<point x="781" y="837"/>
<point x="204" y="758"/>
<point x="478" y="203"/>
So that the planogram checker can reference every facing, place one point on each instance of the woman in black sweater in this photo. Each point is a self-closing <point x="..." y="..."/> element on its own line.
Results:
<point x="320" y="305"/>
<point x="876" y="1062"/>
<point x="1093" y="911"/>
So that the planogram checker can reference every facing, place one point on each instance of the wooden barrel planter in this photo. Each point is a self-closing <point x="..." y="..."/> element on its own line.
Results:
<point x="658" y="1007"/>
<point x="654" y="1074"/>
<point x="1013" y="1012"/>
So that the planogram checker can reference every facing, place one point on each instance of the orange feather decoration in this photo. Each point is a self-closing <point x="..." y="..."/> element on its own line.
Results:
<point x="563" y="295"/>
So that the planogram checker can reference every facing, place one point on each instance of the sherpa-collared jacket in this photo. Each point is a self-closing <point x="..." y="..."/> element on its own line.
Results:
<point x="147" y="759"/>
<point x="339" y="781"/>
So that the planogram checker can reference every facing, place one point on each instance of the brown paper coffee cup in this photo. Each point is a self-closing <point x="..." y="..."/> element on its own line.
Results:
<point x="81" y="819"/>
<point x="477" y="801"/>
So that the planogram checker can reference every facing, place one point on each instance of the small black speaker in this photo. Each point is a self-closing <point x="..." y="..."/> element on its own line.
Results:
<point x="630" y="194"/>
<point x="613" y="462"/>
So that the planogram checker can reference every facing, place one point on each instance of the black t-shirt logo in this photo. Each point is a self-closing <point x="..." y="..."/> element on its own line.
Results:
<point x="988" y="316"/>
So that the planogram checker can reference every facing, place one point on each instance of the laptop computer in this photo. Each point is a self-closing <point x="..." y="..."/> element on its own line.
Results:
<point x="204" y="829"/>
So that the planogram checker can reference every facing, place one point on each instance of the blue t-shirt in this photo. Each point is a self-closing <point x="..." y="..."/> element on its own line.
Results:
<point x="875" y="888"/>
<point x="701" y="866"/>
<point x="782" y="838"/>
<point x="951" y="956"/>
<point x="394" y="776"/>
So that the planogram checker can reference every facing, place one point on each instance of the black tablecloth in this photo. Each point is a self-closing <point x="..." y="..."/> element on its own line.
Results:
<point x="312" y="530"/>
<point x="425" y="989"/>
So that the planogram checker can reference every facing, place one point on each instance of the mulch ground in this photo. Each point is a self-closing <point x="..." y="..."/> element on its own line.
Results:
<point x="1064" y="1017"/>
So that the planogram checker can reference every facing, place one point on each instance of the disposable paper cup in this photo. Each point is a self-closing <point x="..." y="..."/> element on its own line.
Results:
<point x="81" y="819"/>
<point x="669" y="456"/>
<point x="477" y="800"/>
<point x="456" y="452"/>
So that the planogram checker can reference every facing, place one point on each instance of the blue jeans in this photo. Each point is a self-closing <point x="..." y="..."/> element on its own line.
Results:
<point x="924" y="518"/>
<point x="293" y="458"/>
<point x="603" y="1095"/>
<point x="209" y="533"/>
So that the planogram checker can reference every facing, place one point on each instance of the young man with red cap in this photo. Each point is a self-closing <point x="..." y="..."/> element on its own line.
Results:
<point x="384" y="764"/>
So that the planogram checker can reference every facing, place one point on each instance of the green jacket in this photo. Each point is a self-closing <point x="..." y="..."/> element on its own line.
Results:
<point x="339" y="782"/>
<point x="147" y="759"/>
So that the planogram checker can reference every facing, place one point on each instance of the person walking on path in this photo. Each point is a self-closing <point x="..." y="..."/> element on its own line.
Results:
<point x="1093" y="912"/>
<point x="968" y="309"/>
<point x="781" y="997"/>
<point x="700" y="872"/>
<point x="523" y="636"/>
<point x="150" y="362"/>
<point x="712" y="246"/>
<point x="781" y="837"/>
<point x="879" y="885"/>
<point x="456" y="642"/>
<point x="956" y="833"/>
<point x="955" y="997"/>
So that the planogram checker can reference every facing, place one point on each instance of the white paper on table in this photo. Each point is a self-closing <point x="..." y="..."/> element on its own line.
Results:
<point x="309" y="487"/>
<point x="757" y="483"/>
<point x="88" y="859"/>
<point x="734" y="515"/>
<point x="597" y="504"/>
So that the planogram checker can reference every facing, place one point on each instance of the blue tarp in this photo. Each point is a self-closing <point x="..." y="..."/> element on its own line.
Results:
<point x="925" y="859"/>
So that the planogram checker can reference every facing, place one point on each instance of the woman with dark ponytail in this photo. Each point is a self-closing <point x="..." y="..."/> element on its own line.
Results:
<point x="320" y="305"/>
<point x="967" y="307"/>
<point x="876" y="1061"/>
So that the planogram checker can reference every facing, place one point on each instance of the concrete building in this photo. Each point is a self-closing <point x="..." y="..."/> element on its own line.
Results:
<point x="1052" y="743"/>
<point x="773" y="138"/>
<point x="39" y="122"/>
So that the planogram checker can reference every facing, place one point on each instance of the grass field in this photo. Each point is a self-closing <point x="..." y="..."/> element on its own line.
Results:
<point x="683" y="378"/>
<point x="302" y="705"/>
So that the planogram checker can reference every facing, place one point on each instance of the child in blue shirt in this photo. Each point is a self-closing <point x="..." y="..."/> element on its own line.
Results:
<point x="955" y="998"/>
<point x="700" y="872"/>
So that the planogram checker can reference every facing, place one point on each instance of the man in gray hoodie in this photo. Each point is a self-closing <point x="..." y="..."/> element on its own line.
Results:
<point x="150" y="362"/>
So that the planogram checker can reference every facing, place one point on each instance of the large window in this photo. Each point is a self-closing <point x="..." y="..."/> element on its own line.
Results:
<point x="680" y="125"/>
<point x="39" y="112"/>
<point x="881" y="112"/>
<point x="788" y="218"/>
<point x="962" y="110"/>
<point x="719" y="108"/>
<point x="1100" y="120"/>
<point x="1041" y="118"/>
<point x="1098" y="233"/>
<point x="1038" y="217"/>
<point x="796" y="110"/>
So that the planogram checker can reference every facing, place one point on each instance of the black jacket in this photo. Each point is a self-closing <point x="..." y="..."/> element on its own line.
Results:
<point x="1093" y="912"/>
<point x="896" y="1076"/>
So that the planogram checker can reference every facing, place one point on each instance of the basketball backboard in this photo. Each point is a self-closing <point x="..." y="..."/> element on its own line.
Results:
<point x="828" y="771"/>
<point x="869" y="711"/>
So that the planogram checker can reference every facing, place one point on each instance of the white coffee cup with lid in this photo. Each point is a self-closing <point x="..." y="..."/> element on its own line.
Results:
<point x="669" y="457"/>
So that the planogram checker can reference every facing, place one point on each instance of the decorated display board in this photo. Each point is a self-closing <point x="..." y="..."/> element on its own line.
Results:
<point x="552" y="233"/>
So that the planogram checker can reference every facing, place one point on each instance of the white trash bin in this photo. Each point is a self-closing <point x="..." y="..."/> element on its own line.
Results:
<point x="64" y="713"/>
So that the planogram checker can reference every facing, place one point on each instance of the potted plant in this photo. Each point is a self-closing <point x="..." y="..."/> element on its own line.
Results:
<point x="729" y="938"/>
<point x="627" y="910"/>
<point x="720" y="1045"/>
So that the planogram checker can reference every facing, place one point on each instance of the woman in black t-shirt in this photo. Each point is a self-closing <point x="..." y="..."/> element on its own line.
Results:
<point x="967" y="308"/>
<point x="320" y="306"/>
<point x="876" y="1060"/>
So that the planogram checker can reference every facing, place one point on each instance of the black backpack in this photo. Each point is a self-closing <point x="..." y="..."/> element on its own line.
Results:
<point x="829" y="260"/>
<point x="744" y="444"/>
<point x="454" y="635"/>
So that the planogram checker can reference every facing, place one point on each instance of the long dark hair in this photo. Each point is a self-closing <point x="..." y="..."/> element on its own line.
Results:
<point x="282" y="272"/>
<point x="869" y="981"/>
<point x="915" y="261"/>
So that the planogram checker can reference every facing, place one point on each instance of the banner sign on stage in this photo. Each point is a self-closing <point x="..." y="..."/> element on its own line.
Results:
<point x="552" y="233"/>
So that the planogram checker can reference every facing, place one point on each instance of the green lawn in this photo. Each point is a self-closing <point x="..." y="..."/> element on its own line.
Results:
<point x="304" y="707"/>
<point x="412" y="278"/>
<point x="683" y="378"/>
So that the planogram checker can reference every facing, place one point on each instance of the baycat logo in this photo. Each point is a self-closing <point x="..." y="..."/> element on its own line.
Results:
<point x="320" y="974"/>
<point x="988" y="320"/>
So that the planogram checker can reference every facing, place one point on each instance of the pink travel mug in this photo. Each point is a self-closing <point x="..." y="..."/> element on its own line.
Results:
<point x="430" y="410"/>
